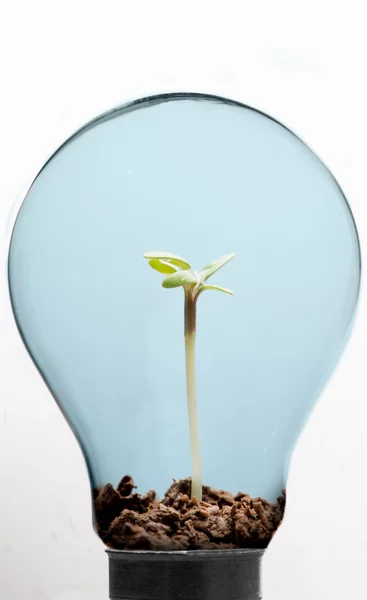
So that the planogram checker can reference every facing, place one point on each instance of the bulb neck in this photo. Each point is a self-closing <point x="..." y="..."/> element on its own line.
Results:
<point x="192" y="575"/>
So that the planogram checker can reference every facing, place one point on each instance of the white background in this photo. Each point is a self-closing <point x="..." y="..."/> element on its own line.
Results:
<point x="61" y="63"/>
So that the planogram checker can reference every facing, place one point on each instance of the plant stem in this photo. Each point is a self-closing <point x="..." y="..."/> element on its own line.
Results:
<point x="190" y="331"/>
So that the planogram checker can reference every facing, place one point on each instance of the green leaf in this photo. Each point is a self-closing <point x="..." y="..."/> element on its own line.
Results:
<point x="179" y="278"/>
<point x="217" y="287"/>
<point x="161" y="266"/>
<point x="170" y="258"/>
<point x="215" y="266"/>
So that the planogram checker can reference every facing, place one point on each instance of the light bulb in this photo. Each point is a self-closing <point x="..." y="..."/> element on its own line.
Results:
<point x="201" y="176"/>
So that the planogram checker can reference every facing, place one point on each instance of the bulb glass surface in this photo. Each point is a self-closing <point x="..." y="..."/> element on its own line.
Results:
<point x="198" y="176"/>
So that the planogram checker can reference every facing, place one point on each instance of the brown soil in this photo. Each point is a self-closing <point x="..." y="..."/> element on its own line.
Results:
<point x="127" y="520"/>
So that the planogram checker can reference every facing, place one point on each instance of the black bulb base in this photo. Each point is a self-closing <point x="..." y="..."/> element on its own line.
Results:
<point x="191" y="575"/>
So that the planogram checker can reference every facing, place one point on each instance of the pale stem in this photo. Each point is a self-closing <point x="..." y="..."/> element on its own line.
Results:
<point x="190" y="327"/>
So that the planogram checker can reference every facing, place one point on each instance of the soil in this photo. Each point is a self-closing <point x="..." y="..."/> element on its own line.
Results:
<point x="129" y="521"/>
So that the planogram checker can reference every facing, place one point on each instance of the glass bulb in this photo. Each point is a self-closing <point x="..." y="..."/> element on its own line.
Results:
<point x="200" y="176"/>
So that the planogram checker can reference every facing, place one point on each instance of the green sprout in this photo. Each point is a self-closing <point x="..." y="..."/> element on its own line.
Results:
<point x="180" y="274"/>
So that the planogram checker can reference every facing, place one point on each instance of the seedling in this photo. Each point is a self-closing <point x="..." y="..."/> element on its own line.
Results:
<point x="180" y="274"/>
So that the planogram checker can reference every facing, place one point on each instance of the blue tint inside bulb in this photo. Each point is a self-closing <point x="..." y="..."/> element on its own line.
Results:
<point x="200" y="177"/>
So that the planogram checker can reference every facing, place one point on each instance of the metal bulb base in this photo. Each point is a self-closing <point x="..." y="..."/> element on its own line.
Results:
<point x="186" y="575"/>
